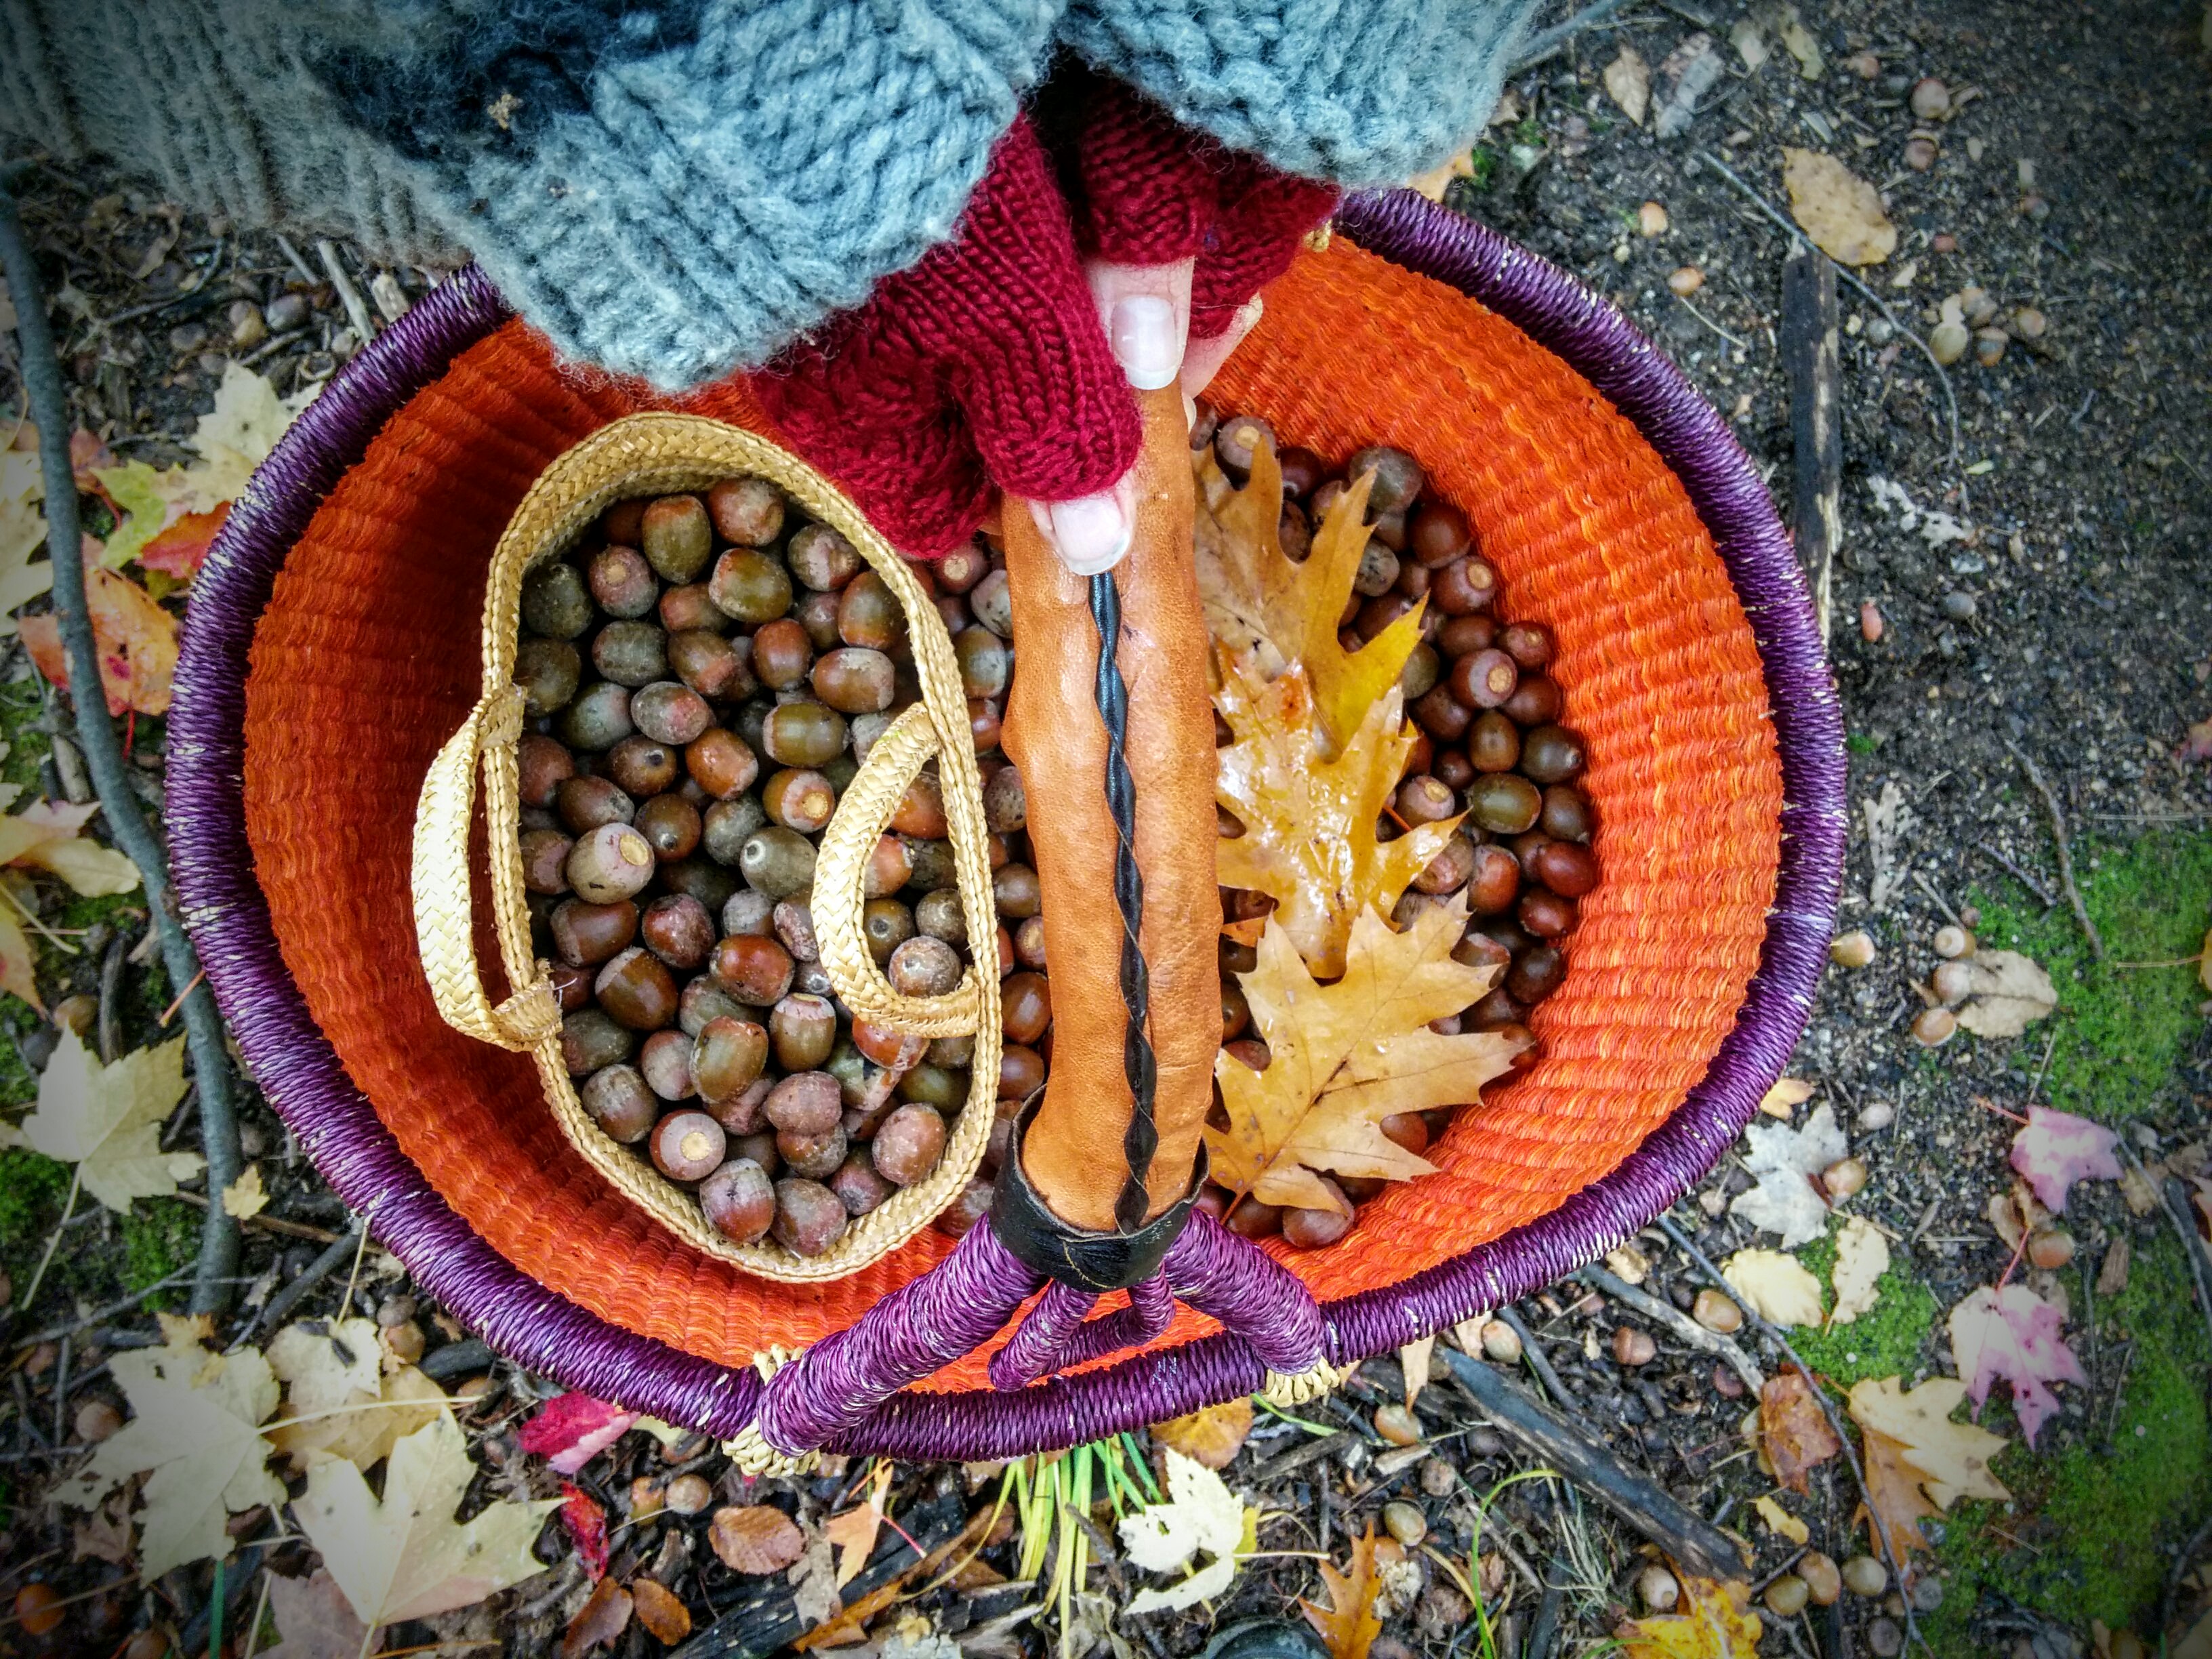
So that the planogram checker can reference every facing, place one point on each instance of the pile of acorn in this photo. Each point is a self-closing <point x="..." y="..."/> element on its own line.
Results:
<point x="1490" y="744"/>
<point x="703" y="675"/>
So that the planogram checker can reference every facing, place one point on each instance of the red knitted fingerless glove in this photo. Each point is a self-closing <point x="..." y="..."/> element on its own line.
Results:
<point x="982" y="364"/>
<point x="1151" y="192"/>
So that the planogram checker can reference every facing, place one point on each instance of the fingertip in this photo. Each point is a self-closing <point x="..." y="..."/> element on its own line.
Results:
<point x="1091" y="534"/>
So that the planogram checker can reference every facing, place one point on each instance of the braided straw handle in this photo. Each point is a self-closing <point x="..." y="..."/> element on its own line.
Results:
<point x="656" y="454"/>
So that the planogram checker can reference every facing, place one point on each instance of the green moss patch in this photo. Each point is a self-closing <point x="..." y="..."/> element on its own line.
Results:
<point x="31" y="1188"/>
<point x="160" y="1236"/>
<point x="1887" y="1340"/>
<point x="2119" y="1031"/>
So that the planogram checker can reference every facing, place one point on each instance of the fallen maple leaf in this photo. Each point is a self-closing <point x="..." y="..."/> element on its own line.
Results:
<point x="1346" y="1055"/>
<point x="1839" y="211"/>
<point x="2057" y="1149"/>
<point x="1349" y="1624"/>
<point x="573" y="1428"/>
<point x="134" y="490"/>
<point x="314" y="1618"/>
<point x="403" y="1556"/>
<point x="1782" y="1160"/>
<point x="1776" y="1285"/>
<point x="47" y="837"/>
<point x="1308" y="840"/>
<point x="195" y="1434"/>
<point x="584" y="1518"/>
<point x="1257" y="598"/>
<point x="755" y="1538"/>
<point x="1711" y="1621"/>
<point x="660" y="1610"/>
<point x="1919" y="1461"/>
<point x="853" y="1533"/>
<point x="1212" y="1435"/>
<point x="1794" y="1429"/>
<point x="1201" y="1515"/>
<point x="2010" y="992"/>
<point x="1861" y="1258"/>
<point x="335" y="1376"/>
<point x="178" y="551"/>
<point x="2013" y="1334"/>
<point x="22" y="532"/>
<point x="106" y="1120"/>
<point x="135" y="638"/>
<point x="245" y="1197"/>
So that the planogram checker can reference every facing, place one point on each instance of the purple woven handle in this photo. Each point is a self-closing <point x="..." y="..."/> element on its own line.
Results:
<point x="304" y="1079"/>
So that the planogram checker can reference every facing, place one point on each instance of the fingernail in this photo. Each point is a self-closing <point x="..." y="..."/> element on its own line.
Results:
<point x="1091" y="534"/>
<point x="1144" y="341"/>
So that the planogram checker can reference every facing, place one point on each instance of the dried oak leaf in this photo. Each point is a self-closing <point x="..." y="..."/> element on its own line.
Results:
<point x="1346" y="1055"/>
<point x="1839" y="211"/>
<point x="1712" y="1620"/>
<point x="1308" y="840"/>
<point x="1919" y="1461"/>
<point x="1628" y="83"/>
<point x="660" y="1610"/>
<point x="1794" y="1429"/>
<point x="2010" y="993"/>
<point x="1349" y="1624"/>
<point x="1256" y="599"/>
<point x="755" y="1538"/>
<point x="1212" y="1435"/>
<point x="599" y="1622"/>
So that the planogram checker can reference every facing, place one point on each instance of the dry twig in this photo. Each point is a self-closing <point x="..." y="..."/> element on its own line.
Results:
<point x="1679" y="1322"/>
<point x="2065" y="853"/>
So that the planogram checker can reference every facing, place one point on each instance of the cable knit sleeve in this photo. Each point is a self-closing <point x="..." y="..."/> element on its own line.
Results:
<point x="669" y="188"/>
<point x="1358" y="92"/>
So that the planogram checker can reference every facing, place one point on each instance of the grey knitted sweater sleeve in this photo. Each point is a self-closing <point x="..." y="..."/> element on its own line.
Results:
<point x="677" y="188"/>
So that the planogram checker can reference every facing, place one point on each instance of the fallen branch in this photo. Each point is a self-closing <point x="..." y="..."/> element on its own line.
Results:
<point x="1810" y="357"/>
<point x="1943" y="378"/>
<point x="1546" y="44"/>
<point x="1538" y="1362"/>
<point x="1679" y="1530"/>
<point x="1876" y="1524"/>
<point x="2018" y="874"/>
<point x="274" y="1311"/>
<point x="1679" y="1322"/>
<point x="2065" y="853"/>
<point x="103" y="754"/>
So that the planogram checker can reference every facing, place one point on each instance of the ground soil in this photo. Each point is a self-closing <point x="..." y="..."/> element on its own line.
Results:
<point x="2043" y="590"/>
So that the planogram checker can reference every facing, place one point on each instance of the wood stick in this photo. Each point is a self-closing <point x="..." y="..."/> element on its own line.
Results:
<point x="1810" y="356"/>
<point x="2065" y="853"/>
<point x="1680" y="1531"/>
<point x="2016" y="872"/>
<point x="1679" y="1322"/>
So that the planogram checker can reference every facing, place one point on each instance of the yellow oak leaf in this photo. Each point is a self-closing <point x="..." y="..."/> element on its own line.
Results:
<point x="1346" y="1055"/>
<point x="1349" y="1624"/>
<point x="1711" y="1621"/>
<point x="1309" y="841"/>
<point x="1255" y="596"/>
<point x="403" y="1556"/>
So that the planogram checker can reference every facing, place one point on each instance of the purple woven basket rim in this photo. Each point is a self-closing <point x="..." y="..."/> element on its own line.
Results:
<point x="303" y="1078"/>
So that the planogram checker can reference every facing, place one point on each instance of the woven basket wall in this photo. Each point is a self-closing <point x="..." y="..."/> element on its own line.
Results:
<point x="332" y="644"/>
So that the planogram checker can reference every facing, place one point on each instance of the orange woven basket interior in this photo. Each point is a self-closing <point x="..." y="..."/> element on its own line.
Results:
<point x="367" y="659"/>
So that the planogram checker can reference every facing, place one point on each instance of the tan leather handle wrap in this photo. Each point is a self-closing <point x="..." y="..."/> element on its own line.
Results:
<point x="1074" y="1154"/>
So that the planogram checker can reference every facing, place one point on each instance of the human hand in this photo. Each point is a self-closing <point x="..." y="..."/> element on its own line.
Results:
<point x="1004" y="355"/>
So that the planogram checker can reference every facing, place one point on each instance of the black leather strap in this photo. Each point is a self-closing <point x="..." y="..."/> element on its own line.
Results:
<point x="1077" y="1257"/>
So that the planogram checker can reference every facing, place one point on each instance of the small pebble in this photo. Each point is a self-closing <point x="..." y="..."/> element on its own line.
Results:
<point x="1942" y="242"/>
<point x="688" y="1494"/>
<point x="1651" y="219"/>
<point x="1657" y="1589"/>
<point x="1927" y="1593"/>
<point x="1715" y="1312"/>
<point x="2028" y="323"/>
<point x="1880" y="1115"/>
<point x="1686" y="280"/>
<point x="1885" y="1640"/>
<point x="1989" y="346"/>
<point x="1871" y="625"/>
<point x="1439" y="1478"/>
<point x="2050" y="1248"/>
<point x="1948" y="343"/>
<point x="1727" y="1383"/>
<point x="1501" y="1342"/>
<point x="1880" y="332"/>
<point x="1934" y="1027"/>
<point x="1959" y="607"/>
<point x="1851" y="950"/>
<point x="1404" y="1522"/>
<point x="1920" y="154"/>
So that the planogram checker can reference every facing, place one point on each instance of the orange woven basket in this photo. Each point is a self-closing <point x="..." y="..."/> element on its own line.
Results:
<point x="333" y="643"/>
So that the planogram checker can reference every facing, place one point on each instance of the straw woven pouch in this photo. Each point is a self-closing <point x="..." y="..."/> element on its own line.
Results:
<point x="659" y="455"/>
<point x="334" y="651"/>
